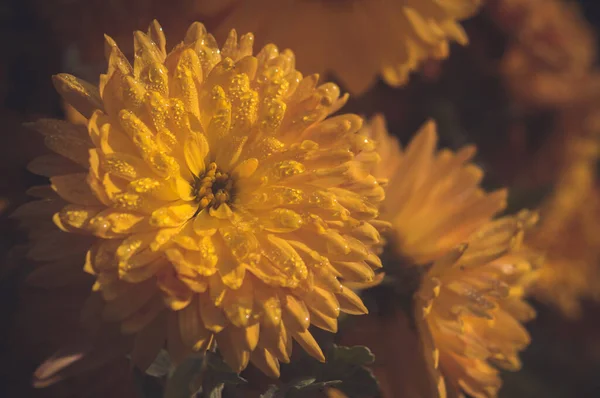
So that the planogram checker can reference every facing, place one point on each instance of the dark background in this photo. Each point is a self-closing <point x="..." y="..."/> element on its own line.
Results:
<point x="469" y="105"/>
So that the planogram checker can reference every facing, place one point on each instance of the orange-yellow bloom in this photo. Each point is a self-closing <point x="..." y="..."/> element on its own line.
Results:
<point x="552" y="50"/>
<point x="357" y="40"/>
<point x="472" y="270"/>
<point x="214" y="197"/>
<point x="571" y="272"/>
<point x="569" y="232"/>
<point x="471" y="307"/>
<point x="433" y="198"/>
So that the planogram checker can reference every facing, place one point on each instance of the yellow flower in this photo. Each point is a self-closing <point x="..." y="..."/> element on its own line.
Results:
<point x="433" y="199"/>
<point x="214" y="197"/>
<point x="471" y="270"/>
<point x="550" y="59"/>
<point x="569" y="232"/>
<point x="357" y="40"/>
<point x="470" y="307"/>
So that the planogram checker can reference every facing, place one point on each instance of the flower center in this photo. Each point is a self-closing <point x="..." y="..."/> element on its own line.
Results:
<point x="212" y="188"/>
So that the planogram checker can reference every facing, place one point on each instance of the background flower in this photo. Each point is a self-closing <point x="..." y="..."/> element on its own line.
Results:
<point x="392" y="38"/>
<point x="433" y="199"/>
<point x="568" y="232"/>
<point x="472" y="304"/>
<point x="470" y="272"/>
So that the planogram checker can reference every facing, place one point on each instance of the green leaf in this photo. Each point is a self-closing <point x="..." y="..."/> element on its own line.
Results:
<point x="301" y="383"/>
<point x="348" y="364"/>
<point x="361" y="384"/>
<point x="216" y="375"/>
<point x="321" y="385"/>
<point x="147" y="386"/>
<point x="204" y="375"/>
<point x="161" y="365"/>
<point x="181" y="381"/>
<point x="345" y="370"/>
<point x="271" y="392"/>
<point x="215" y="391"/>
<point x="299" y="388"/>
<point x="345" y="367"/>
<point x="357" y="355"/>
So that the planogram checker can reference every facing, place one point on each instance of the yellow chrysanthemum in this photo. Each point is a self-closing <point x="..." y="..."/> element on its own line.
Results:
<point x="433" y="199"/>
<point x="214" y="198"/>
<point x="551" y="54"/>
<point x="570" y="233"/>
<point x="470" y="307"/>
<point x="571" y="272"/>
<point x="468" y="303"/>
<point x="357" y="40"/>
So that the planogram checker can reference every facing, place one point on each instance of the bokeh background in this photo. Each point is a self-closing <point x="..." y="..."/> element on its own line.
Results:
<point x="473" y="96"/>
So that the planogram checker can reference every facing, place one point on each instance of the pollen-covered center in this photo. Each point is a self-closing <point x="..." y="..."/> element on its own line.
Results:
<point x="212" y="188"/>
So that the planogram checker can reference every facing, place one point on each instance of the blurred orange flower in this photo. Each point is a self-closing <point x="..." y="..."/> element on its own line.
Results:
<point x="551" y="53"/>
<point x="433" y="198"/>
<point x="356" y="40"/>
<point x="570" y="231"/>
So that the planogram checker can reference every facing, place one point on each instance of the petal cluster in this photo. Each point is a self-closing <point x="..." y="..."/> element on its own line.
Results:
<point x="433" y="198"/>
<point x="472" y="270"/>
<point x="471" y="305"/>
<point x="551" y="57"/>
<point x="569" y="233"/>
<point x="391" y="38"/>
<point x="217" y="200"/>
